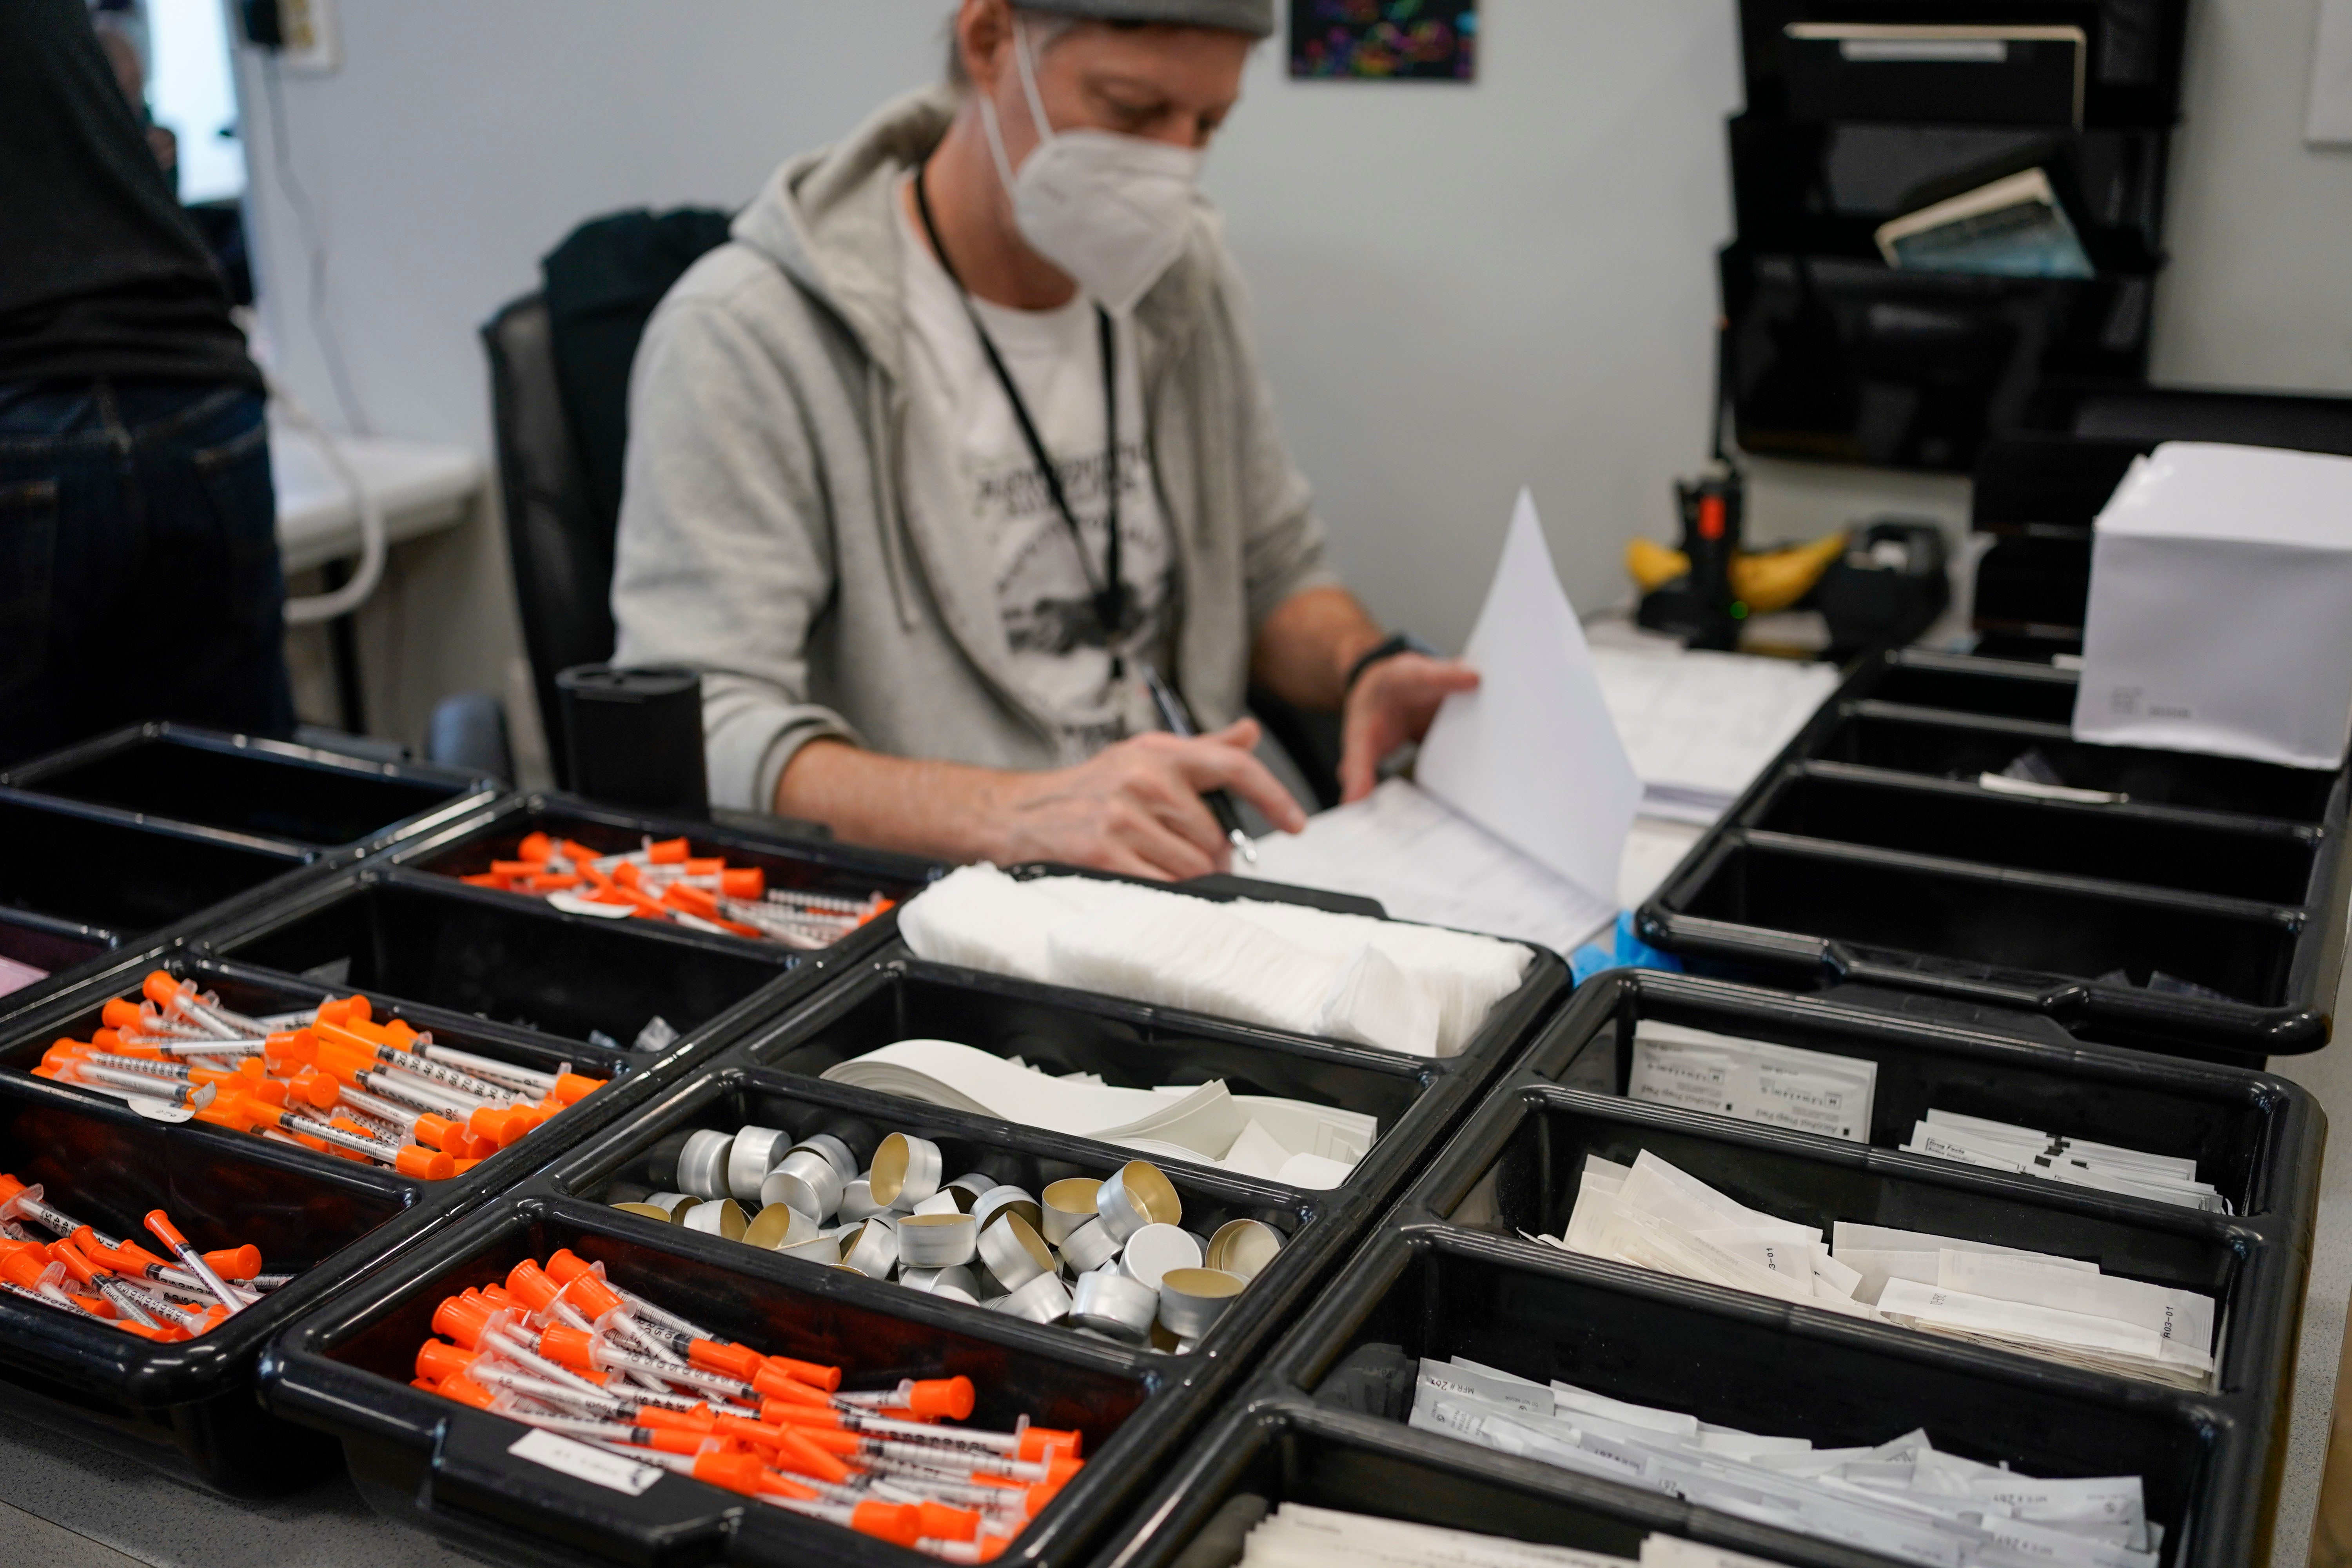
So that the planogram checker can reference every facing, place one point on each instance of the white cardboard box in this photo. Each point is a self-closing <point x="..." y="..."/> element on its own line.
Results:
<point x="2221" y="614"/>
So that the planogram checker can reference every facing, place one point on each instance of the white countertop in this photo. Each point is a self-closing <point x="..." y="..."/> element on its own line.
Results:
<point x="424" y="487"/>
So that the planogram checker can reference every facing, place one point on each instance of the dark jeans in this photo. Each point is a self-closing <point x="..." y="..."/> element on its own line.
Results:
<point x="138" y="574"/>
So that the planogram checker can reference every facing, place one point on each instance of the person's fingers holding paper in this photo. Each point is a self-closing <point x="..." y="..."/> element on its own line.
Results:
<point x="1391" y="704"/>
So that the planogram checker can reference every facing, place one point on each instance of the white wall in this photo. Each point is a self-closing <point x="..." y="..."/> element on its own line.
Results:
<point x="1459" y="291"/>
<point x="2260" y="291"/>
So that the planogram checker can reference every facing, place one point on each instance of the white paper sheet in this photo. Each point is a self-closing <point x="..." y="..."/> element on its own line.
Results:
<point x="1532" y="755"/>
<point x="1700" y="726"/>
<point x="1424" y="862"/>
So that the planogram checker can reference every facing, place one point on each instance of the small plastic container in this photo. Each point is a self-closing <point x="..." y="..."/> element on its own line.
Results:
<point x="345" y="1370"/>
<point x="428" y="939"/>
<point x="2166" y="900"/>
<point x="264" y="789"/>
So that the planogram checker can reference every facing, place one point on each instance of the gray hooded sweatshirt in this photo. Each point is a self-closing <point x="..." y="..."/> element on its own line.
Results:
<point x="767" y="538"/>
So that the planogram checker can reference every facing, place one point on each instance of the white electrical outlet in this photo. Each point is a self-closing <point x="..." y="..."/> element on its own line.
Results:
<point x="311" y="45"/>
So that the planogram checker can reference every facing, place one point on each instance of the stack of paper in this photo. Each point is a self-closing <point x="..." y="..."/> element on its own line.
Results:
<point x="1903" y="1498"/>
<point x="1754" y="1080"/>
<point x="1286" y="1140"/>
<point x="1653" y="1215"/>
<point x="1700" y="726"/>
<point x="1424" y="862"/>
<point x="1297" y="1536"/>
<point x="1972" y="1140"/>
<point x="1408" y="988"/>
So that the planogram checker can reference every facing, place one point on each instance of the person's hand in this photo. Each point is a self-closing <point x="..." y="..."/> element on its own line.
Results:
<point x="1136" y="806"/>
<point x="1392" y="703"/>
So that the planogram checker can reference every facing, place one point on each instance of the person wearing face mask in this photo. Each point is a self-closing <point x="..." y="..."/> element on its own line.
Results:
<point x="961" y="444"/>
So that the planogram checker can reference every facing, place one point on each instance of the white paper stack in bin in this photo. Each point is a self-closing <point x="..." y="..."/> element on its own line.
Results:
<point x="1653" y="1215"/>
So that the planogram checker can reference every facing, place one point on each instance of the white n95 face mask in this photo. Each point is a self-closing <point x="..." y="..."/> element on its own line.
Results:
<point x="1112" y="211"/>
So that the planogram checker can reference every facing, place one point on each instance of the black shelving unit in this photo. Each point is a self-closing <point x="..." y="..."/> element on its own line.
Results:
<point x="1829" y="353"/>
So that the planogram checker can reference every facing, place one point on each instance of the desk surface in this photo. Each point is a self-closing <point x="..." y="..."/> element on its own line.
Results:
<point x="423" y="487"/>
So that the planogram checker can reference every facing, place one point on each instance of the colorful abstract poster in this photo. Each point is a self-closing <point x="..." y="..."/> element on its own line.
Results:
<point x="1384" y="40"/>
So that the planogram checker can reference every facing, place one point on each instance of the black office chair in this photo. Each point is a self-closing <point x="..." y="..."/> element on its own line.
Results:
<point x="559" y="395"/>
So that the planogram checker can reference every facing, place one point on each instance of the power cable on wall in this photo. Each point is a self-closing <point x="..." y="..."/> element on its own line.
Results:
<point x="314" y="250"/>
<point x="374" y="544"/>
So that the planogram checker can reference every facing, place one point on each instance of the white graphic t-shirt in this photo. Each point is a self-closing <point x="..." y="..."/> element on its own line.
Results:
<point x="961" y="420"/>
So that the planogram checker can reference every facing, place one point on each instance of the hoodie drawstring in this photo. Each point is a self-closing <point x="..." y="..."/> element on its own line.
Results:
<point x="883" y="443"/>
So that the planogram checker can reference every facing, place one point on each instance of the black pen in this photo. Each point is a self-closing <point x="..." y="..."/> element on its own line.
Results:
<point x="1179" y="719"/>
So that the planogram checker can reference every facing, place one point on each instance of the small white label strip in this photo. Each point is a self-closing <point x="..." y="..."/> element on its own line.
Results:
<point x="582" y="1462"/>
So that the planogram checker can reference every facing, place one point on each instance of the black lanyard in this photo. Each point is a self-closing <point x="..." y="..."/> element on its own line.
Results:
<point x="1109" y="596"/>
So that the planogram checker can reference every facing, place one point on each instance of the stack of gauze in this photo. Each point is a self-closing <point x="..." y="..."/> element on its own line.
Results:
<point x="1420" y="990"/>
<point x="1653" y="1215"/>
<point x="1903" y="1498"/>
<point x="2078" y="1161"/>
<point x="1297" y="1536"/>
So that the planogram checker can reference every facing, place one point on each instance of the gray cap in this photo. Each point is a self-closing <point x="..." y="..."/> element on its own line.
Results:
<point x="1254" y="18"/>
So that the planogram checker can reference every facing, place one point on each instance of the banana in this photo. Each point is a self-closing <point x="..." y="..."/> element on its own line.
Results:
<point x="1765" y="582"/>
<point x="1779" y="579"/>
<point x="1652" y="565"/>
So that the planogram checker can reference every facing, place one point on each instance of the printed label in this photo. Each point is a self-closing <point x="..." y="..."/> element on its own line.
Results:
<point x="582" y="1462"/>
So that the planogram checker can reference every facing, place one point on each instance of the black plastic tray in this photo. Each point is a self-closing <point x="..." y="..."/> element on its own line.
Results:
<point x="1430" y="1289"/>
<point x="58" y="947"/>
<point x="190" y="1407"/>
<point x="465" y="949"/>
<point x="1516" y="1170"/>
<point x="1870" y="854"/>
<point x="187" y="1408"/>
<point x="346" y="1369"/>
<point x="2256" y="1137"/>
<point x="807" y="865"/>
<point x="81" y="880"/>
<point x="256" y="993"/>
<point x="770" y="1079"/>
<point x="269" y="789"/>
<point x="1287" y="1449"/>
<point x="730" y="1095"/>
<point x="895" y="995"/>
<point x="1447" y="1274"/>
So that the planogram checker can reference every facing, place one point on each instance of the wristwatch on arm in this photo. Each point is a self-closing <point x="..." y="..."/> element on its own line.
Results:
<point x="1389" y="647"/>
